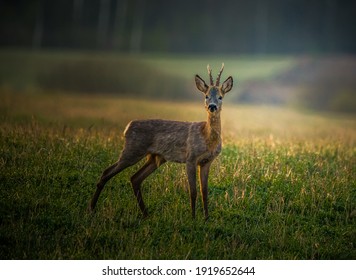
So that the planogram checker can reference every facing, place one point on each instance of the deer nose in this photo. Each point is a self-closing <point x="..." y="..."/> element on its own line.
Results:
<point x="212" y="107"/>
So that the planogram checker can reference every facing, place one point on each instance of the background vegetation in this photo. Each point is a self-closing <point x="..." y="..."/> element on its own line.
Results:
<point x="234" y="27"/>
<point x="324" y="83"/>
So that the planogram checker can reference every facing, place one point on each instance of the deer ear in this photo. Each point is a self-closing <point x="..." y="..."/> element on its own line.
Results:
<point x="201" y="85"/>
<point x="227" y="85"/>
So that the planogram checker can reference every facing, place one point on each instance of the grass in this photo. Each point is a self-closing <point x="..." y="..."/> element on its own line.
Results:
<point x="240" y="67"/>
<point x="149" y="76"/>
<point x="283" y="187"/>
<point x="305" y="82"/>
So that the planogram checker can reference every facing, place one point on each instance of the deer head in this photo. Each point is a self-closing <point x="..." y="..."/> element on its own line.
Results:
<point x="214" y="93"/>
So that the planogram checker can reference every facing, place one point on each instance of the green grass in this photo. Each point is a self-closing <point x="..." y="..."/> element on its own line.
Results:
<point x="242" y="68"/>
<point x="150" y="76"/>
<point x="283" y="187"/>
<point x="304" y="82"/>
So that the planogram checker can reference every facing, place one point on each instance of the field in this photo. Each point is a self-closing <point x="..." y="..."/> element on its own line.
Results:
<point x="144" y="76"/>
<point x="283" y="187"/>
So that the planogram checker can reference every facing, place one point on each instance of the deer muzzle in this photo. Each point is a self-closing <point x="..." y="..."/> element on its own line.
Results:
<point x="212" y="108"/>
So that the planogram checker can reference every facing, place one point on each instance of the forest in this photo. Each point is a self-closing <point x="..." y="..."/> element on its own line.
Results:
<point x="212" y="26"/>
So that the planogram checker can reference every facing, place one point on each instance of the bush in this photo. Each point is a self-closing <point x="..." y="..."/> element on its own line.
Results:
<point x="89" y="73"/>
<point x="118" y="76"/>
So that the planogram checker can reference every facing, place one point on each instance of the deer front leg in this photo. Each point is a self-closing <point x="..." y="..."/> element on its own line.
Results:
<point x="191" y="173"/>
<point x="203" y="176"/>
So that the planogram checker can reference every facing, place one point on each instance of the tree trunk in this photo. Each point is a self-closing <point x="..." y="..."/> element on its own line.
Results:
<point x="118" y="34"/>
<point x="103" y="23"/>
<point x="137" y="29"/>
<point x="37" y="36"/>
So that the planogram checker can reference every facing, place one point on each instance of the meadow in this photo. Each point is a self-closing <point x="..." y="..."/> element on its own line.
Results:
<point x="164" y="77"/>
<point x="283" y="187"/>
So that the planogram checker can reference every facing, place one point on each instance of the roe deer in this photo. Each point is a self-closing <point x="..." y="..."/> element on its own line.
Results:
<point x="196" y="144"/>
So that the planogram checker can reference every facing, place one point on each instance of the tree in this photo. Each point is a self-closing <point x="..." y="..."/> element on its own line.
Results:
<point x="120" y="24"/>
<point x="38" y="30"/>
<point x="137" y="28"/>
<point x="103" y="23"/>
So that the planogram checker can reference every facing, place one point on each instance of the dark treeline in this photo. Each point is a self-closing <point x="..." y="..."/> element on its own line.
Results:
<point x="232" y="26"/>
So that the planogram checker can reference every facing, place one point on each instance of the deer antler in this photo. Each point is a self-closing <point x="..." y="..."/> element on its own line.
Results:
<point x="210" y="76"/>
<point x="219" y="75"/>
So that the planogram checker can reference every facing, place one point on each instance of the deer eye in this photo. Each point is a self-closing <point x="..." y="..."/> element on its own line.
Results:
<point x="206" y="97"/>
<point x="220" y="97"/>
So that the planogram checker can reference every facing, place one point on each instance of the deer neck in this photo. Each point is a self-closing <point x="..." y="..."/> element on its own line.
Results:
<point x="212" y="131"/>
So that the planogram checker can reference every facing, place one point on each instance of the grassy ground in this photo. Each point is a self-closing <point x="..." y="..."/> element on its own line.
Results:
<point x="283" y="187"/>
<point x="323" y="83"/>
<point x="240" y="67"/>
<point x="148" y="76"/>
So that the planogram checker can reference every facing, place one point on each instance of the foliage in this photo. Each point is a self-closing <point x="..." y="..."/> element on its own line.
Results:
<point x="236" y="27"/>
<point x="319" y="83"/>
<point x="324" y="83"/>
<point x="89" y="73"/>
<point x="283" y="188"/>
<point x="148" y="76"/>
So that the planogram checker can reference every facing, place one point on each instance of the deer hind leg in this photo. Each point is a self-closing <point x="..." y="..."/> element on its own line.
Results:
<point x="152" y="163"/>
<point x="203" y="175"/>
<point x="125" y="161"/>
